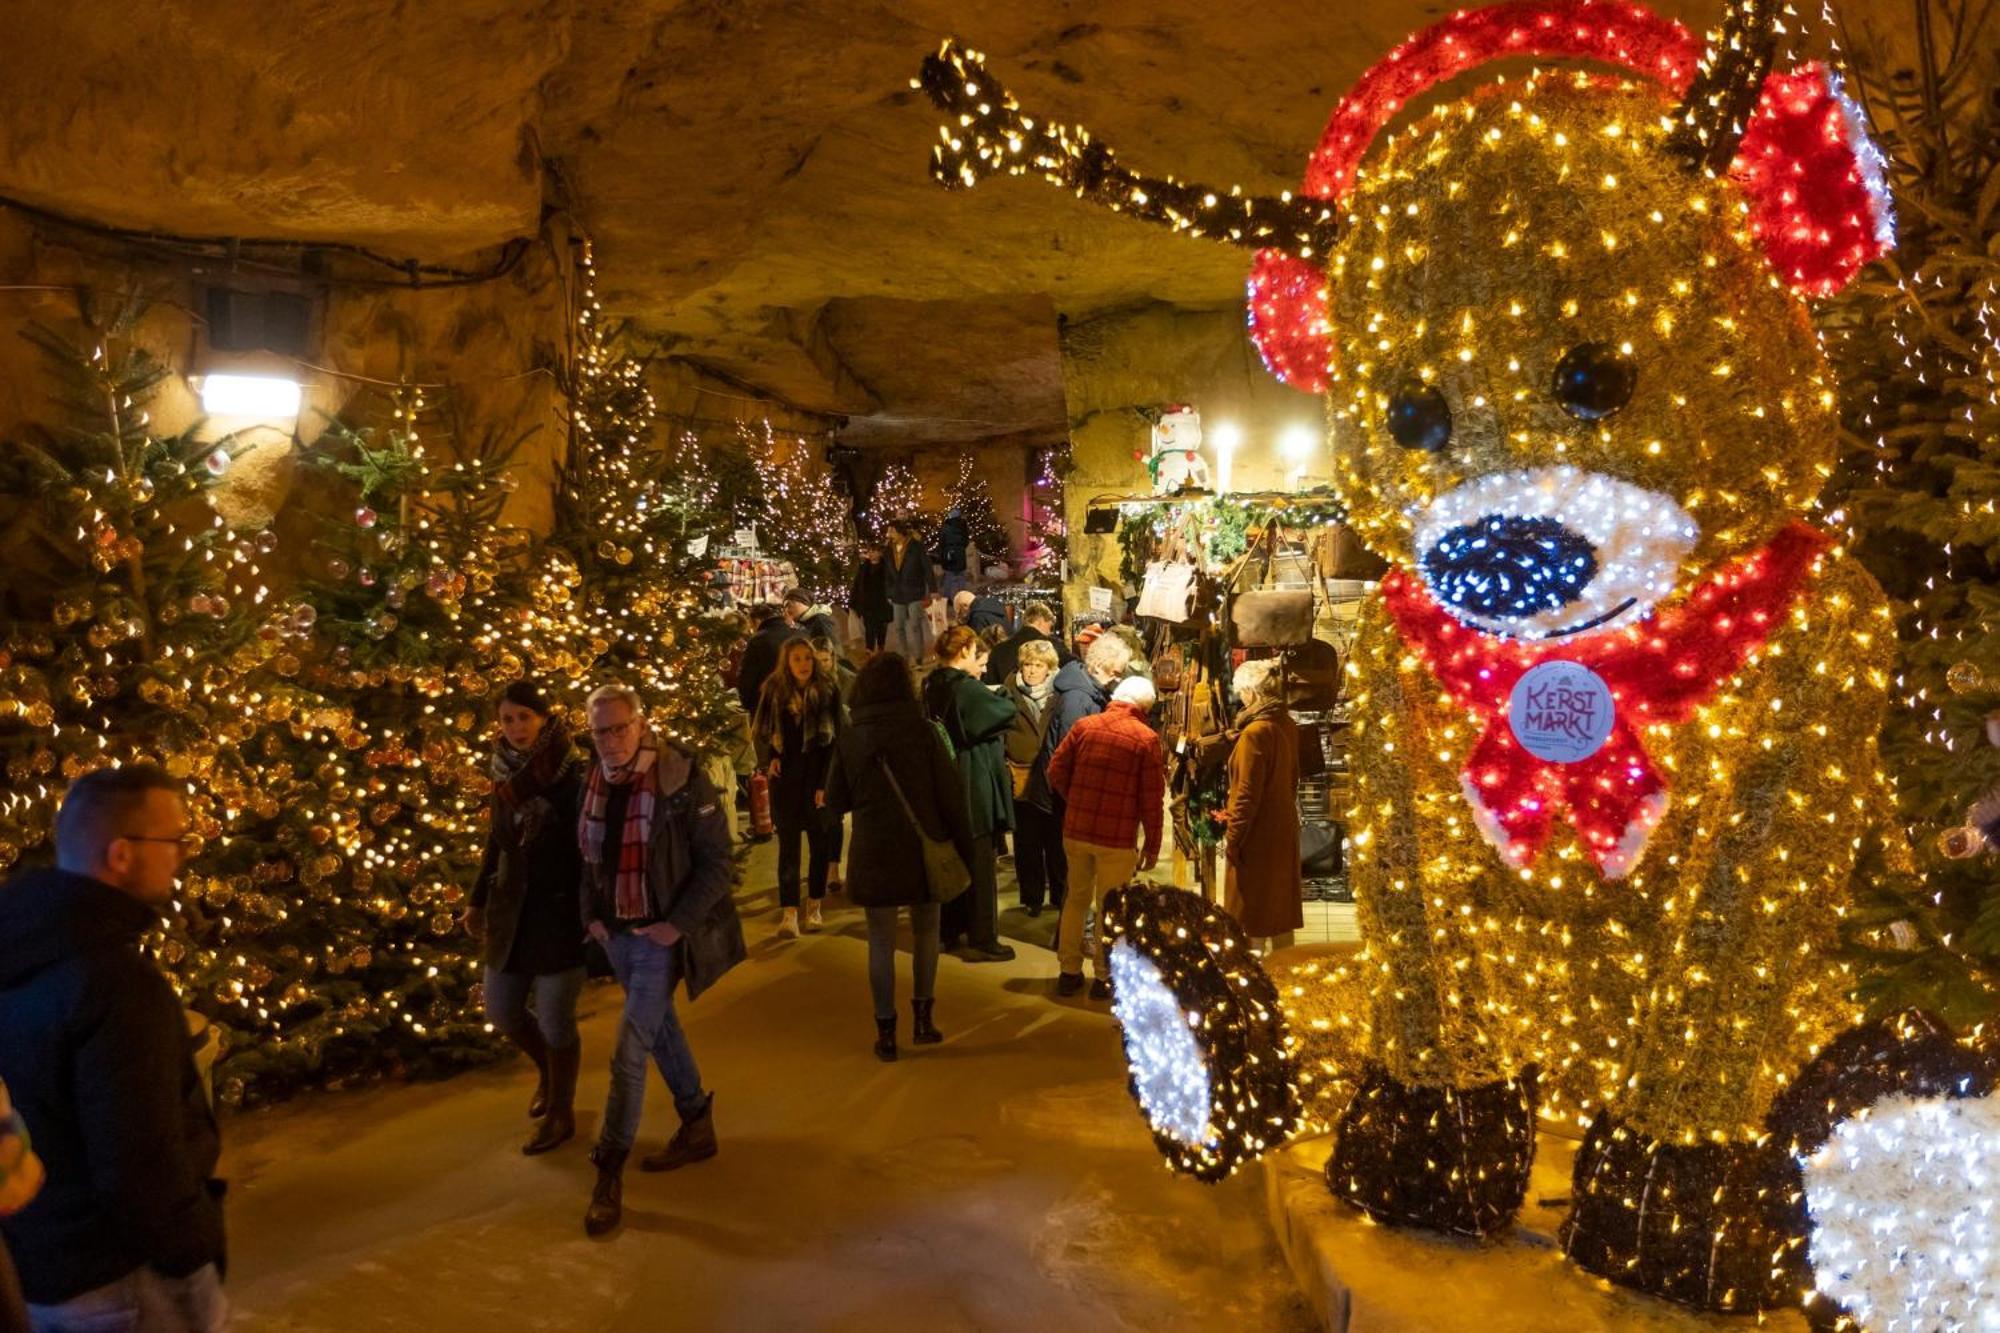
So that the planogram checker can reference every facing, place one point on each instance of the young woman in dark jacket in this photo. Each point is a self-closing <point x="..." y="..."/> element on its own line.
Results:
<point x="976" y="721"/>
<point x="887" y="735"/>
<point x="868" y="598"/>
<point x="523" y="908"/>
<point x="1039" y="865"/>
<point x="798" y="718"/>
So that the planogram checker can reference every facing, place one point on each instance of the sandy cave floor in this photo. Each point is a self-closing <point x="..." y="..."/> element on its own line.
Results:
<point x="1003" y="1180"/>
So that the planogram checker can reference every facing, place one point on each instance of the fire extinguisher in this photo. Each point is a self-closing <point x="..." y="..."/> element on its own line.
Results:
<point x="760" y="807"/>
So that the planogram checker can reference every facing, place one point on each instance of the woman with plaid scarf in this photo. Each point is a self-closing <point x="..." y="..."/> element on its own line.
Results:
<point x="657" y="895"/>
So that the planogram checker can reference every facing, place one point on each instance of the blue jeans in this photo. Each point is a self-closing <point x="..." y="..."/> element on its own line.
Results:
<point x="648" y="972"/>
<point x="142" y="1301"/>
<point x="912" y="630"/>
<point x="550" y="999"/>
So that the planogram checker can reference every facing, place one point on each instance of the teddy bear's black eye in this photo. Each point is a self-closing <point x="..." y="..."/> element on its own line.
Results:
<point x="1419" y="417"/>
<point x="1593" y="380"/>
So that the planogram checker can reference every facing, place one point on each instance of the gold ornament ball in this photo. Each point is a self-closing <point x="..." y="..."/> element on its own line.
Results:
<point x="1964" y="677"/>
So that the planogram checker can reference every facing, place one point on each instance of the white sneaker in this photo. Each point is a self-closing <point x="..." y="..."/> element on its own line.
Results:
<point x="788" y="924"/>
<point x="813" y="918"/>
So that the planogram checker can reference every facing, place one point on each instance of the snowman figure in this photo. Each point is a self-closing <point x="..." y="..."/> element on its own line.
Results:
<point x="1177" y="464"/>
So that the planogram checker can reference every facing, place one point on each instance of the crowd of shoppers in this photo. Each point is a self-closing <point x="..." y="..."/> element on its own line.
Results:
<point x="114" y="1220"/>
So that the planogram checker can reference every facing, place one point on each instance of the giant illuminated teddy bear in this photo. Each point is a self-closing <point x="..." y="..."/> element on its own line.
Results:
<point x="1615" y="705"/>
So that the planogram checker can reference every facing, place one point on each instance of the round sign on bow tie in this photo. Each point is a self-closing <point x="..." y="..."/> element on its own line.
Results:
<point x="1561" y="712"/>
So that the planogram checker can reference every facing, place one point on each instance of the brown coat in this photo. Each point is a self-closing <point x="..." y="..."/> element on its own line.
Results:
<point x="1264" y="890"/>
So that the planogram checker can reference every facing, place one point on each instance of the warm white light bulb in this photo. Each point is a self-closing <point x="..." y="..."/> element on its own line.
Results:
<point x="263" y="396"/>
<point x="1299" y="442"/>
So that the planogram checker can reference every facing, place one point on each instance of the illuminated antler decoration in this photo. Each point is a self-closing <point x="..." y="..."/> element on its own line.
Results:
<point x="1726" y="85"/>
<point x="989" y="134"/>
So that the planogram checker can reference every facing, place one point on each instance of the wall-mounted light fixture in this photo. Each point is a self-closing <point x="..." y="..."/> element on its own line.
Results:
<point x="265" y="397"/>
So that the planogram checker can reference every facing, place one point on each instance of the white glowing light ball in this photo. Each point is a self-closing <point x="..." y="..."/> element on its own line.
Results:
<point x="1903" y="1226"/>
<point x="1169" y="1071"/>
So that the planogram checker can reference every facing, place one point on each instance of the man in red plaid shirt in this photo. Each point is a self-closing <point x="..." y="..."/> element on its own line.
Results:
<point x="1112" y="776"/>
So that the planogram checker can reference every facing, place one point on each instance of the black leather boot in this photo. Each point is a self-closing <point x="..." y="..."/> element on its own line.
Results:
<point x="923" y="1032"/>
<point x="529" y="1039"/>
<point x="885" y="1040"/>
<point x="558" y="1126"/>
<point x="607" y="1197"/>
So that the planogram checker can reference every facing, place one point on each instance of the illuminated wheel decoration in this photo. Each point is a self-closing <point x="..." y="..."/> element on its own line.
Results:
<point x="1897" y="1135"/>
<point x="1205" y="1040"/>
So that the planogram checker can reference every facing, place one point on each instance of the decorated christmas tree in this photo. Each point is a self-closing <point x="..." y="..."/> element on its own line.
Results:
<point x="970" y="495"/>
<point x="806" y="518"/>
<point x="419" y="606"/>
<point x="635" y="528"/>
<point x="135" y="629"/>
<point x="1047" y="546"/>
<point x="897" y="494"/>
<point x="1916" y="342"/>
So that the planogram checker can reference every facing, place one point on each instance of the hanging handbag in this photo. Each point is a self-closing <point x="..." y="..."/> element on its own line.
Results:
<point x="1339" y="554"/>
<point x="1312" y="677"/>
<point x="945" y="872"/>
<point x="1268" y="617"/>
<point x="1167" y="592"/>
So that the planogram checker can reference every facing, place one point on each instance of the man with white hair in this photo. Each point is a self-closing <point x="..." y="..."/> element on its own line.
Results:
<point x="1112" y="775"/>
<point x="1263" y="888"/>
<point x="657" y="875"/>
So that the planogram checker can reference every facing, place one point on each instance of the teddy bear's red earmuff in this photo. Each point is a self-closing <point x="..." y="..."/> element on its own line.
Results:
<point x="1812" y="178"/>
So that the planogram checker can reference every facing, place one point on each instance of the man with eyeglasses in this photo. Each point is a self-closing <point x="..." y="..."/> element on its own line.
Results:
<point x="657" y="879"/>
<point x="126" y="1232"/>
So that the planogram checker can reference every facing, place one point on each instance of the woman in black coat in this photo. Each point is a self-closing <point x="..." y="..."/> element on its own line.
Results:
<point x="889" y="734"/>
<point x="799" y="717"/>
<point x="524" y="904"/>
<point x="868" y="598"/>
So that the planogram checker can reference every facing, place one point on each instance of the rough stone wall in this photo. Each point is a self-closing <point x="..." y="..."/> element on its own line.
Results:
<point x="1146" y="357"/>
<point x="489" y="353"/>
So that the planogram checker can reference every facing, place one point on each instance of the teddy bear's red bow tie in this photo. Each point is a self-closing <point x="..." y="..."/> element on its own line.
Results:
<point x="1564" y="721"/>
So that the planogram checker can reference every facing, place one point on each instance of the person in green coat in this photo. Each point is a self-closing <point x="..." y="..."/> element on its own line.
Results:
<point x="976" y="722"/>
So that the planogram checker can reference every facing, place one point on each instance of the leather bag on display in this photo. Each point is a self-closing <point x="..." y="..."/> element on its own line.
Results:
<point x="1266" y="617"/>
<point x="1312" y="677"/>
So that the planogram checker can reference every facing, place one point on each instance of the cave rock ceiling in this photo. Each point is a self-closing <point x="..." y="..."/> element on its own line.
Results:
<point x="753" y="171"/>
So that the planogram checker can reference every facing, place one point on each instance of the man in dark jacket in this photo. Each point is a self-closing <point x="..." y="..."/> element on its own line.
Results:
<point x="760" y="655"/>
<point x="656" y="894"/>
<point x="911" y="586"/>
<point x="94" y="1051"/>
<point x="1037" y="622"/>
<point x="978" y="612"/>
<point x="808" y="619"/>
<point x="952" y="540"/>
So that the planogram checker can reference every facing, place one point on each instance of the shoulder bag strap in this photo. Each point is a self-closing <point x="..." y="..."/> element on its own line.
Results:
<point x="901" y="799"/>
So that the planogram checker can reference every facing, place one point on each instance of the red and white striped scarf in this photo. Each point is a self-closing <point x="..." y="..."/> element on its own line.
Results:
<point x="635" y="840"/>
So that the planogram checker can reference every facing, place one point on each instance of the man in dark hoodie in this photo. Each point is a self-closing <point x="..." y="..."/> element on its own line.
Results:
<point x="127" y="1231"/>
<point x="952" y="540"/>
<point x="760" y="655"/>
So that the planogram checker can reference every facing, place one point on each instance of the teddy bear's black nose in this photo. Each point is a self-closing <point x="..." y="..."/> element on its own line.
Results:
<point x="1505" y="567"/>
